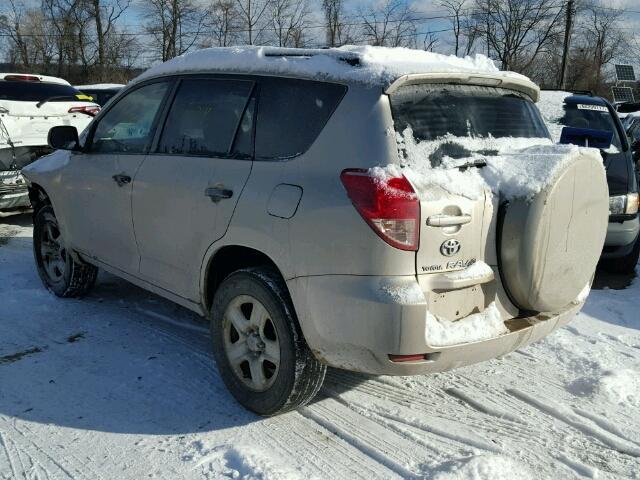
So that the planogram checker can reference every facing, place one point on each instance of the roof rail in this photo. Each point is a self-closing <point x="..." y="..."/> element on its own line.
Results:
<point x="570" y="90"/>
<point x="350" y="58"/>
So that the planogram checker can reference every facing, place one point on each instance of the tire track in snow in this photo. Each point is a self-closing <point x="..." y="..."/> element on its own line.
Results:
<point x="562" y="413"/>
<point x="41" y="457"/>
<point x="297" y="437"/>
<point x="7" y="452"/>
<point x="354" y="434"/>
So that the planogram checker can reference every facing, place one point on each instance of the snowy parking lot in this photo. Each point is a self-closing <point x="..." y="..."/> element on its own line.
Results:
<point x="122" y="385"/>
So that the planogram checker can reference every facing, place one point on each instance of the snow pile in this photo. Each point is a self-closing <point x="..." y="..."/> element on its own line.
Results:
<point x="406" y="294"/>
<point x="377" y="65"/>
<point x="621" y="386"/>
<point x="474" y="328"/>
<point x="516" y="167"/>
<point x="475" y="271"/>
<point x="482" y="467"/>
<point x="550" y="106"/>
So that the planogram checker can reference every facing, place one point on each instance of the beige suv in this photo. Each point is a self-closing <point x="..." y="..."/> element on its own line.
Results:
<point x="346" y="207"/>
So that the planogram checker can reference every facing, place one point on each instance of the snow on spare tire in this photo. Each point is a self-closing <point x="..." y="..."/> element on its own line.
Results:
<point x="552" y="214"/>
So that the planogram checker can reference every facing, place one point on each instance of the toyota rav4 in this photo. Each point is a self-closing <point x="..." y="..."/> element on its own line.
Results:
<point x="384" y="211"/>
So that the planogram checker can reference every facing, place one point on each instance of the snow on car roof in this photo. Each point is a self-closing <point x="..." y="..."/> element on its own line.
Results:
<point x="41" y="78"/>
<point x="100" y="86"/>
<point x="375" y="66"/>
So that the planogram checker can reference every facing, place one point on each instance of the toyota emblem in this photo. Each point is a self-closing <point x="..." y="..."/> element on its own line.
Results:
<point x="450" y="247"/>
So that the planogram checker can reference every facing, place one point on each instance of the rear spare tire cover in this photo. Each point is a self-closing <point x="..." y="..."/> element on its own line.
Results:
<point x="550" y="244"/>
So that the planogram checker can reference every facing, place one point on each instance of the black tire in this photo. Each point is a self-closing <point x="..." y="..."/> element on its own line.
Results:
<point x="624" y="265"/>
<point x="299" y="375"/>
<point x="69" y="277"/>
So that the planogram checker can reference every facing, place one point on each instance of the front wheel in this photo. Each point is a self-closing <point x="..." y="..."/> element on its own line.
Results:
<point x="258" y="346"/>
<point x="58" y="270"/>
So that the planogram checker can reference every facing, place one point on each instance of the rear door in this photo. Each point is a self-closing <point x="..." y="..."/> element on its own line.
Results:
<point x="447" y="130"/>
<point x="185" y="192"/>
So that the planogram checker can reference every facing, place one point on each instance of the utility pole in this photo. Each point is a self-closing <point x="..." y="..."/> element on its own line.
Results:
<point x="567" y="42"/>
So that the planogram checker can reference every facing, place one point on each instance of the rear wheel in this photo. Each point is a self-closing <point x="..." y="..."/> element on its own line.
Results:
<point x="58" y="270"/>
<point x="258" y="346"/>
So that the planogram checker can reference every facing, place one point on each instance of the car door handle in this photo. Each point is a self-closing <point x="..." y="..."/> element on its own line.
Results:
<point x="218" y="193"/>
<point x="442" y="220"/>
<point x="121" y="179"/>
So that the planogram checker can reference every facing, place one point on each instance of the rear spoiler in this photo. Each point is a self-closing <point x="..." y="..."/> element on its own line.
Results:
<point x="519" y="84"/>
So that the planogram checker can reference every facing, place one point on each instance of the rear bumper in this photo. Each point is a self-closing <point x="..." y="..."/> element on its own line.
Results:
<point x="620" y="239"/>
<point x="354" y="323"/>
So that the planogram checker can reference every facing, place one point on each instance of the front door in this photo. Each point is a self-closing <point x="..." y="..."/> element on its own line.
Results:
<point x="98" y="196"/>
<point x="186" y="190"/>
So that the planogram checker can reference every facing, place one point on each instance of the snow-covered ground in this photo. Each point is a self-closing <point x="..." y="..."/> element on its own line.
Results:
<point x="122" y="385"/>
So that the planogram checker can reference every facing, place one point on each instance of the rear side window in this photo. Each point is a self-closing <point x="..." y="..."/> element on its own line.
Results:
<point x="205" y="117"/>
<point x="22" y="91"/>
<point x="291" y="115"/>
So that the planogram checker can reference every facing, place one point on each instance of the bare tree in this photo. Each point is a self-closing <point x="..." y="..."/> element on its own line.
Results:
<point x="175" y="25"/>
<point x="603" y="39"/>
<point x="223" y="23"/>
<point x="430" y="41"/>
<point x="392" y="24"/>
<point x="519" y="30"/>
<point x="337" y="31"/>
<point x="251" y="15"/>
<point x="289" y="19"/>
<point x="455" y="8"/>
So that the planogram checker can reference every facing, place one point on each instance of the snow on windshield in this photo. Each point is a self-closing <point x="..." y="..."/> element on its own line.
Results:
<point x="377" y="65"/>
<point x="515" y="168"/>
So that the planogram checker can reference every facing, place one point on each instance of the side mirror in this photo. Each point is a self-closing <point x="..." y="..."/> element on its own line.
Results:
<point x="635" y="146"/>
<point x="63" y="137"/>
<point x="586" y="137"/>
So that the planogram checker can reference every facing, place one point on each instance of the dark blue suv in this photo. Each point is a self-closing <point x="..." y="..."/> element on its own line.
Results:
<point x="591" y="113"/>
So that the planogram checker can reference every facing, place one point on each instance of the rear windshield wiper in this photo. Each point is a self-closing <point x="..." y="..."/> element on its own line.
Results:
<point x="478" y="163"/>
<point x="53" y="99"/>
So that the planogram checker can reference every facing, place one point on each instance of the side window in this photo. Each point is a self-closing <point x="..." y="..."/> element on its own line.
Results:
<point x="128" y="126"/>
<point x="291" y="115"/>
<point x="205" y="117"/>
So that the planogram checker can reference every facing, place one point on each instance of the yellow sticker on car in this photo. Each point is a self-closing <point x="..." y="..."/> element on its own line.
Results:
<point x="82" y="96"/>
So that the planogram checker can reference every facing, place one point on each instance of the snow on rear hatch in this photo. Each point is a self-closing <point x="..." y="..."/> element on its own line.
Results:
<point x="465" y="149"/>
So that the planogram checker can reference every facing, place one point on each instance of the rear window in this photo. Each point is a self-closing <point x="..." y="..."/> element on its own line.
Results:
<point x="22" y="91"/>
<point x="436" y="110"/>
<point x="291" y="115"/>
<point x="596" y="117"/>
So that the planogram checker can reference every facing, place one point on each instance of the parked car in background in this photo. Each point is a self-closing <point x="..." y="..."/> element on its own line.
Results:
<point x="633" y="132"/>
<point x="29" y="106"/>
<point x="624" y="109"/>
<point x="565" y="109"/>
<point x="278" y="192"/>
<point x="100" y="93"/>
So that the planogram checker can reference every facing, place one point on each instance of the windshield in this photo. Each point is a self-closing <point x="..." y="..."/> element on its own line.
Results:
<point x="22" y="91"/>
<point x="433" y="111"/>
<point x="596" y="117"/>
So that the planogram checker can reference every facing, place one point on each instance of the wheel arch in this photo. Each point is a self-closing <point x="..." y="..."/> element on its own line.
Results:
<point x="38" y="197"/>
<point x="228" y="259"/>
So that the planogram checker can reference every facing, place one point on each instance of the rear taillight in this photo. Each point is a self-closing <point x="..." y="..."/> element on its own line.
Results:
<point x="21" y="78"/>
<point x="388" y="204"/>
<point x="89" y="110"/>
